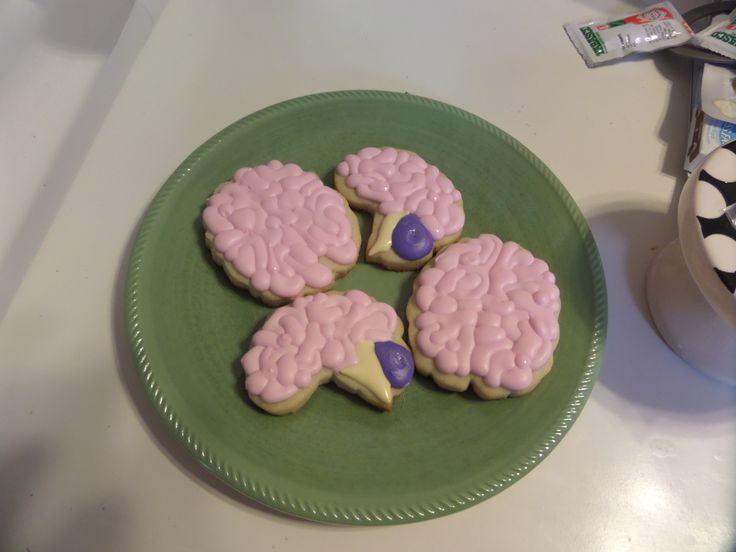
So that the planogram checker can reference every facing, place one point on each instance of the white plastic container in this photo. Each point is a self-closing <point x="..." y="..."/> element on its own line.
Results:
<point x="691" y="286"/>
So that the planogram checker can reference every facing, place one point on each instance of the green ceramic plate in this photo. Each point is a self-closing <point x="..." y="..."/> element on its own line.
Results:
<point x="338" y="459"/>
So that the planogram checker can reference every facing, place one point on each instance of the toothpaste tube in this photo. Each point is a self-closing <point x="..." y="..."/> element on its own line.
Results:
<point x="656" y="28"/>
<point x="706" y="133"/>
<point x="720" y="37"/>
<point x="717" y="93"/>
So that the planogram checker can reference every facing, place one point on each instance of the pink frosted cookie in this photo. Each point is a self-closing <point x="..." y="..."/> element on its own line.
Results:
<point x="484" y="312"/>
<point x="280" y="232"/>
<point x="348" y="337"/>
<point x="416" y="208"/>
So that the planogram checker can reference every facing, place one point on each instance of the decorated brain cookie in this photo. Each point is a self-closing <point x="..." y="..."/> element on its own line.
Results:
<point x="349" y="338"/>
<point x="416" y="208"/>
<point x="485" y="313"/>
<point x="280" y="232"/>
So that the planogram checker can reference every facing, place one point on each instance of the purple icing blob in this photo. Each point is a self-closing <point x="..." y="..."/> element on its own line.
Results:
<point x="410" y="239"/>
<point x="397" y="363"/>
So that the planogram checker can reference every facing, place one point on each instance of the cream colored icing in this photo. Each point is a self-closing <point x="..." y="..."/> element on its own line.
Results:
<point x="385" y="231"/>
<point x="489" y="309"/>
<point x="368" y="372"/>
<point x="273" y="223"/>
<point x="313" y="332"/>
<point x="402" y="181"/>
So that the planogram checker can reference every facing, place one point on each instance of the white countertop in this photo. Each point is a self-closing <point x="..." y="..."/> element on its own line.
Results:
<point x="85" y="464"/>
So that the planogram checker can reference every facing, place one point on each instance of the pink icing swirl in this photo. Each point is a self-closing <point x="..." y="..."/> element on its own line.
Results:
<point x="273" y="223"/>
<point x="316" y="331"/>
<point x="489" y="309"/>
<point x="402" y="181"/>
